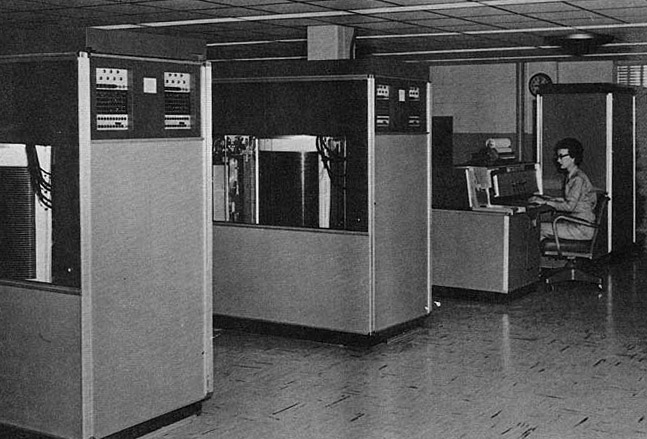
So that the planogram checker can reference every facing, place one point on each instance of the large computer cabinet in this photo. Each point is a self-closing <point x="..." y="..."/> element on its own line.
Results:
<point x="603" y="118"/>
<point x="115" y="338"/>
<point x="361" y="269"/>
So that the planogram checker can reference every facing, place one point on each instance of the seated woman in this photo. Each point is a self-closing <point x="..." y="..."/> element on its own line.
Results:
<point x="579" y="196"/>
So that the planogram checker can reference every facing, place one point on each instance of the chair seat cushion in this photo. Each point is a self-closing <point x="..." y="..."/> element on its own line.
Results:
<point x="566" y="245"/>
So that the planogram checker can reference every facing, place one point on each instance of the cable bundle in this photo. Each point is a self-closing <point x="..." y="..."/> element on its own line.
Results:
<point x="40" y="178"/>
<point x="333" y="152"/>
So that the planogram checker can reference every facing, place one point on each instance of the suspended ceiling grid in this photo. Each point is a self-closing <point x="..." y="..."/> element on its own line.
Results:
<point x="420" y="31"/>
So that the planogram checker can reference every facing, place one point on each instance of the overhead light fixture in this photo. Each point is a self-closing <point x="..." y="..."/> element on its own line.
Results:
<point x="580" y="43"/>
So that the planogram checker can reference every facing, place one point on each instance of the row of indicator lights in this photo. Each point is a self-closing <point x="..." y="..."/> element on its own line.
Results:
<point x="180" y="77"/>
<point x="119" y="77"/>
<point x="383" y="121"/>
<point x="383" y="92"/>
<point x="112" y="77"/>
<point x="177" y="80"/>
<point x="119" y="117"/>
<point x="112" y="125"/>
<point x="414" y="121"/>
<point x="177" y="122"/>
<point x="124" y="117"/>
<point x="112" y="121"/>
<point x="121" y="123"/>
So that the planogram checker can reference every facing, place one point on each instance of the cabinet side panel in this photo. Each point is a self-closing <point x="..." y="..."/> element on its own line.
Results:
<point x="623" y="169"/>
<point x="582" y="116"/>
<point x="401" y="201"/>
<point x="468" y="250"/>
<point x="524" y="257"/>
<point x="297" y="277"/>
<point x="40" y="361"/>
<point x="148" y="250"/>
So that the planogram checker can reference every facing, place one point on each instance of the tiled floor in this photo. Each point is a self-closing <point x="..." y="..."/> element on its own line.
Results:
<point x="569" y="363"/>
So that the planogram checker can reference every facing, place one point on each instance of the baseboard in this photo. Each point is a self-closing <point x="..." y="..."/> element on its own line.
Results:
<point x="441" y="292"/>
<point x="14" y="432"/>
<point x="313" y="334"/>
<point x="154" y="424"/>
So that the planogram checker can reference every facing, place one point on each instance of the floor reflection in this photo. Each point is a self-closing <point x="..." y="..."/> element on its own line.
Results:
<point x="568" y="363"/>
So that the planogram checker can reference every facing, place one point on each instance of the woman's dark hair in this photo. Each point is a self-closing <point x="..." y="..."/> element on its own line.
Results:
<point x="575" y="148"/>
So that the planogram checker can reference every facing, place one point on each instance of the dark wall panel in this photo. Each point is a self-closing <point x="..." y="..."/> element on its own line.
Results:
<point x="39" y="105"/>
<point x="288" y="108"/>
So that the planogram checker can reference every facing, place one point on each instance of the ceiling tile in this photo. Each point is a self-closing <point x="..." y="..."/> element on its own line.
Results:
<point x="534" y="9"/>
<point x="228" y="12"/>
<point x="351" y="4"/>
<point x="464" y="26"/>
<point x="630" y="15"/>
<point x="291" y="8"/>
<point x="49" y="4"/>
<point x="567" y="16"/>
<point x="424" y="2"/>
<point x="406" y="16"/>
<point x="603" y="4"/>
<point x="245" y="3"/>
<point x="350" y="20"/>
<point x="187" y="4"/>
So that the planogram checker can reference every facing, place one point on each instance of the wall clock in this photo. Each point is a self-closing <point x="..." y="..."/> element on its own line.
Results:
<point x="536" y="80"/>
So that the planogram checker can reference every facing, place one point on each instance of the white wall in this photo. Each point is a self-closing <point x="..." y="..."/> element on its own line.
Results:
<point x="563" y="73"/>
<point x="482" y="98"/>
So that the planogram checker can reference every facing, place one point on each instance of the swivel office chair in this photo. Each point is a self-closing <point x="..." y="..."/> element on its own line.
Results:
<point x="575" y="251"/>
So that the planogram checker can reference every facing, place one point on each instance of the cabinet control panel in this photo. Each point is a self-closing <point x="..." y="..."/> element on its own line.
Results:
<point x="112" y="90"/>
<point x="139" y="99"/>
<point x="400" y="106"/>
<point x="177" y="101"/>
<point x="382" y="106"/>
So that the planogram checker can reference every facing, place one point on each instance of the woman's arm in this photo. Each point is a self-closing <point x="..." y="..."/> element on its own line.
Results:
<point x="544" y="199"/>
<point x="572" y="194"/>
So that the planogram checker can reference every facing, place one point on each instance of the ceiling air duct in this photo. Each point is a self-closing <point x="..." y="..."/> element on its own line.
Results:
<point x="331" y="42"/>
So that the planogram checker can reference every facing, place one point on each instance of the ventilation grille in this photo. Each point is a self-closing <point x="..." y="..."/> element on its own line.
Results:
<point x="633" y="75"/>
<point x="17" y="228"/>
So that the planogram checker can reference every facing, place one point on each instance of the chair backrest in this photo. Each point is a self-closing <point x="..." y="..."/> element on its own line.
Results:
<point x="568" y="248"/>
<point x="600" y="213"/>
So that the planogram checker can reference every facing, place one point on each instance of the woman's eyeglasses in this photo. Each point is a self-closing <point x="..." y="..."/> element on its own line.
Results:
<point x="561" y="156"/>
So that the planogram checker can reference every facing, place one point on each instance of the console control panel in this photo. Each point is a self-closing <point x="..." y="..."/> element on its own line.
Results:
<point x="112" y="96"/>
<point x="177" y="101"/>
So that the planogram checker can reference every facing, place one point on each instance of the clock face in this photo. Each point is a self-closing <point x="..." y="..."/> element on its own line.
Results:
<point x="536" y="80"/>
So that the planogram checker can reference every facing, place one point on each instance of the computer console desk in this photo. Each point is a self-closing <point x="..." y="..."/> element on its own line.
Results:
<point x="484" y="250"/>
